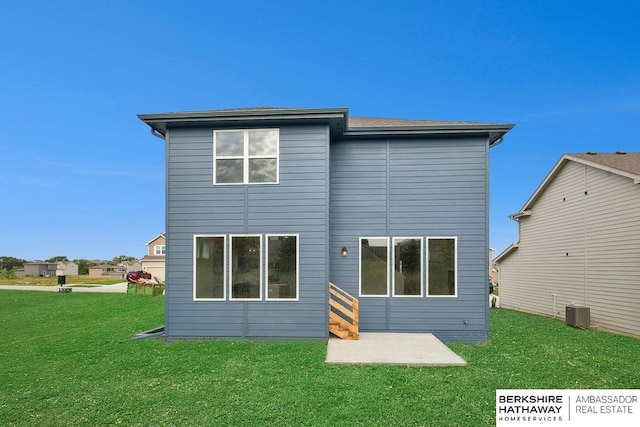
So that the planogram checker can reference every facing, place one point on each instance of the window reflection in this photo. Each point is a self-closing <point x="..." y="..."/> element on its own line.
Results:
<point x="374" y="266"/>
<point x="407" y="266"/>
<point x="245" y="267"/>
<point x="282" y="261"/>
<point x="442" y="267"/>
<point x="209" y="274"/>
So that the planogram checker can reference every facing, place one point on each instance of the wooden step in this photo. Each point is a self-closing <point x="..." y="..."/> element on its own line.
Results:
<point x="343" y="313"/>
<point x="345" y="334"/>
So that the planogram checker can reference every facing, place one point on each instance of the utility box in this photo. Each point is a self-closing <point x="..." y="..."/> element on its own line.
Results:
<point x="578" y="317"/>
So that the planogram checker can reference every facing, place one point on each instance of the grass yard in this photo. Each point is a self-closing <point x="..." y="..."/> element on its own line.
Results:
<point x="63" y="363"/>
<point x="53" y="280"/>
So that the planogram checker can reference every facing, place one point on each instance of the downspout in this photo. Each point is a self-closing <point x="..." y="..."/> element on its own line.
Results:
<point x="497" y="142"/>
<point x="586" y="265"/>
<point x="157" y="134"/>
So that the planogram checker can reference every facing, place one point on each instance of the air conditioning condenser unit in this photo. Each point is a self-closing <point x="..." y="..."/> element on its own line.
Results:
<point x="578" y="317"/>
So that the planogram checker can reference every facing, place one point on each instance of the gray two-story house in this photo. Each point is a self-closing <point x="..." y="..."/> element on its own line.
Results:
<point x="266" y="206"/>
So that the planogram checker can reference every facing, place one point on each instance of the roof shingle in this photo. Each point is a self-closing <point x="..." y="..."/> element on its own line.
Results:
<point x="627" y="162"/>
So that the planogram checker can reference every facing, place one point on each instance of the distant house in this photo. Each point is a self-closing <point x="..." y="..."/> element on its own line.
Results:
<point x="66" y="268"/>
<point x="579" y="243"/>
<point x="266" y="206"/>
<point x="154" y="262"/>
<point x="132" y="265"/>
<point x="106" y="270"/>
<point x="37" y="268"/>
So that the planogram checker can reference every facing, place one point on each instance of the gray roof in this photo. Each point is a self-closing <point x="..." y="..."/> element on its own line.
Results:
<point x="379" y="122"/>
<point x="341" y="124"/>
<point x="625" y="162"/>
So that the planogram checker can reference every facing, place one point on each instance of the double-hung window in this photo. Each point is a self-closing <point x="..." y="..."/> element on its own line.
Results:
<point x="246" y="156"/>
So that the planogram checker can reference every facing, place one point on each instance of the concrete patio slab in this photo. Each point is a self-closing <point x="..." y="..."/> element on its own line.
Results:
<point x="393" y="349"/>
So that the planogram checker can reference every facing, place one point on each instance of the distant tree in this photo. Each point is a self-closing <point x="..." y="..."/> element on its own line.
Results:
<point x="83" y="265"/>
<point x="121" y="258"/>
<point x="11" y="263"/>
<point x="57" y="258"/>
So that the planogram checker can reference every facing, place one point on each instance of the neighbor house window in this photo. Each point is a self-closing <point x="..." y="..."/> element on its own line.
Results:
<point x="158" y="249"/>
<point x="209" y="268"/>
<point x="282" y="267"/>
<point x="245" y="156"/>
<point x="442" y="271"/>
<point x="407" y="266"/>
<point x="246" y="267"/>
<point x="374" y="266"/>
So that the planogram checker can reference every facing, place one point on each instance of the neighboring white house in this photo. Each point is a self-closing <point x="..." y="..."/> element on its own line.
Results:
<point x="66" y="268"/>
<point x="107" y="270"/>
<point x="579" y="243"/>
<point x="129" y="266"/>
<point x="153" y="263"/>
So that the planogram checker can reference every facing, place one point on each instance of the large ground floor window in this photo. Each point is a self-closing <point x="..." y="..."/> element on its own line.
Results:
<point x="252" y="274"/>
<point x="282" y="264"/>
<point x="442" y="275"/>
<point x="374" y="266"/>
<point x="209" y="267"/>
<point x="407" y="277"/>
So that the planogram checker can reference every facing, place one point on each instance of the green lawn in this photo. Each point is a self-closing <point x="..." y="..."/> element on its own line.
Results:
<point x="65" y="360"/>
<point x="53" y="280"/>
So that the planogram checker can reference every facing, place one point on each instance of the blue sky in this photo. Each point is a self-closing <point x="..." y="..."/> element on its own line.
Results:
<point x="81" y="176"/>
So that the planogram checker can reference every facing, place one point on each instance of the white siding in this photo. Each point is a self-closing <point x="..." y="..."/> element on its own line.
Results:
<point x="581" y="245"/>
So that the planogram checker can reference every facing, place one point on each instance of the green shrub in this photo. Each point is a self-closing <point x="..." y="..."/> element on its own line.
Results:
<point x="8" y="274"/>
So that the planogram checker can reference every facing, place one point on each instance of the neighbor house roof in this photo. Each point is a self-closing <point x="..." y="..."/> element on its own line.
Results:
<point x="620" y="163"/>
<point x="508" y="251"/>
<point x="153" y="258"/>
<point x="159" y="235"/>
<point x="338" y="119"/>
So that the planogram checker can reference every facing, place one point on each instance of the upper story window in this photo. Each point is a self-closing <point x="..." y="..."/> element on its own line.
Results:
<point x="245" y="156"/>
<point x="158" y="250"/>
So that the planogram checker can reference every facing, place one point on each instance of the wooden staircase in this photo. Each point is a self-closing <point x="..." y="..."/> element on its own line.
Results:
<point x="343" y="313"/>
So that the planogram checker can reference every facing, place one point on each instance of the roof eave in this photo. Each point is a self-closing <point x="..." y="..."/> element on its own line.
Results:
<point x="160" y="121"/>
<point x="510" y="249"/>
<point x="494" y="132"/>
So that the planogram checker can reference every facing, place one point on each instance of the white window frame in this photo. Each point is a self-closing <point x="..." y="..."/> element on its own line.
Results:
<point x="224" y="266"/>
<point x="159" y="249"/>
<point x="360" y="266"/>
<point x="266" y="270"/>
<point x="455" y="268"/>
<point x="393" y="267"/>
<point x="246" y="157"/>
<point x="260" y="276"/>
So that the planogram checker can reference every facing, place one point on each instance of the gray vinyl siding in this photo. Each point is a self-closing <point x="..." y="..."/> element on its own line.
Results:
<point x="297" y="205"/>
<point x="414" y="188"/>
<point x="584" y="249"/>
